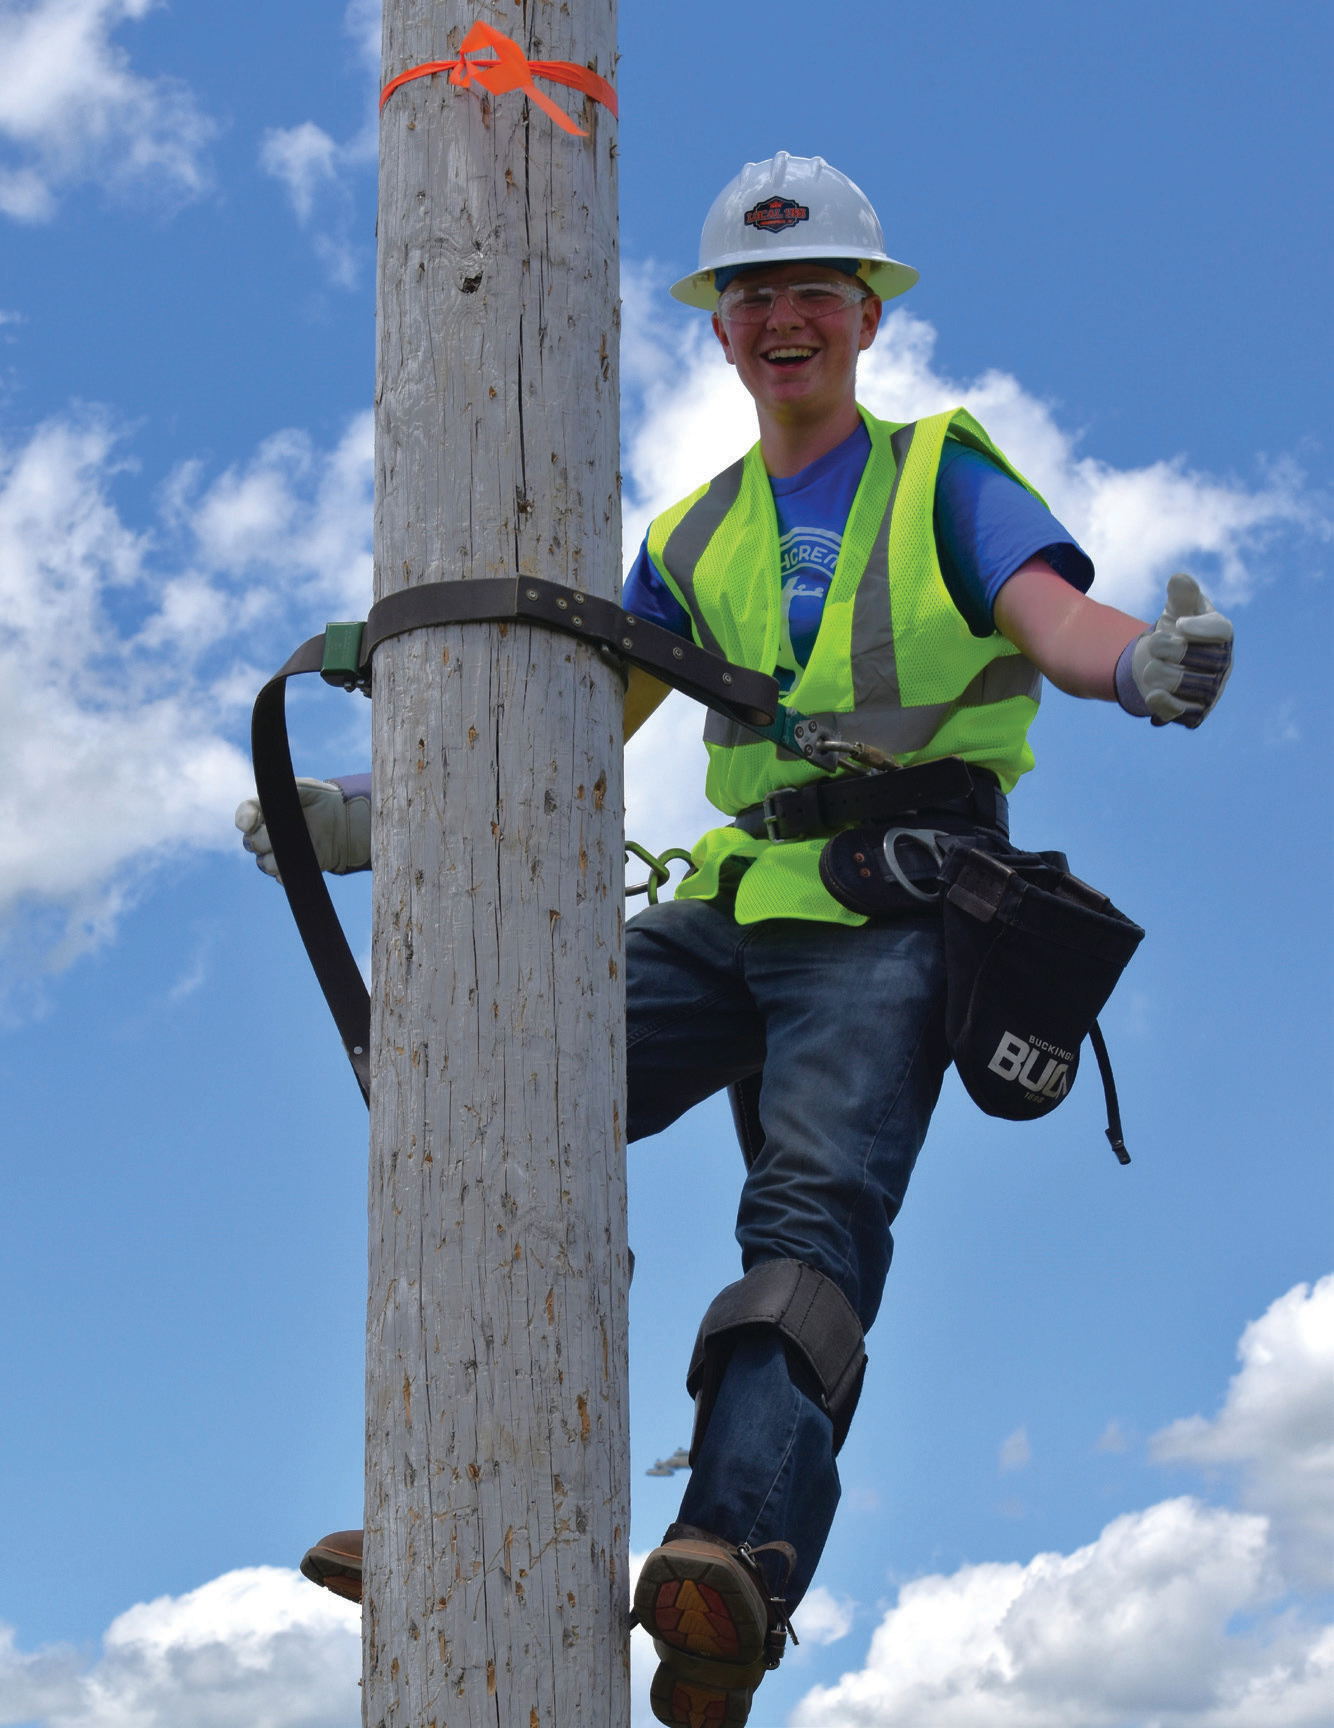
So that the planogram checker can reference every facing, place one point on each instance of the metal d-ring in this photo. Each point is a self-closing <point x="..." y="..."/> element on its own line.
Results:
<point x="929" y="839"/>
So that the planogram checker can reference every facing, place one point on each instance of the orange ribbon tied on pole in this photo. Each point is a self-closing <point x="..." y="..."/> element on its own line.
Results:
<point x="511" y="70"/>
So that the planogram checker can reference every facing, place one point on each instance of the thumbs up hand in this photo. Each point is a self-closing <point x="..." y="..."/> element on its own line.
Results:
<point x="1181" y="665"/>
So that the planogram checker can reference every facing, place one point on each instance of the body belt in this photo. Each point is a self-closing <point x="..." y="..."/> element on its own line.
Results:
<point x="825" y="806"/>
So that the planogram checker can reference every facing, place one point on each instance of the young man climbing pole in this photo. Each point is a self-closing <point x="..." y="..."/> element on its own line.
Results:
<point x="909" y="589"/>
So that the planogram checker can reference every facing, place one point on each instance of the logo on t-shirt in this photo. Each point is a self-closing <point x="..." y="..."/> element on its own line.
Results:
<point x="809" y="549"/>
<point x="774" y="214"/>
<point x="807" y="558"/>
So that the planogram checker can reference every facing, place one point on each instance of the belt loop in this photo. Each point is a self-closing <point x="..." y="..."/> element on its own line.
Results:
<point x="990" y="804"/>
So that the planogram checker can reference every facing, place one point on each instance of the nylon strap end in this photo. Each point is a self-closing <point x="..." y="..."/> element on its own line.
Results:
<point x="1104" y="1061"/>
<point x="1118" y="1146"/>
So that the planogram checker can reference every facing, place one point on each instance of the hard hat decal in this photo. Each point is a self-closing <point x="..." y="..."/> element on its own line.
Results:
<point x="774" y="214"/>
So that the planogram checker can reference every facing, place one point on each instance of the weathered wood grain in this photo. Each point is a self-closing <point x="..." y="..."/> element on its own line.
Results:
<point x="496" y="1432"/>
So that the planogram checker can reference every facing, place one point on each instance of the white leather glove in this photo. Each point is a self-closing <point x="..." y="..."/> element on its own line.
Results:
<point x="1179" y="667"/>
<point x="340" y="829"/>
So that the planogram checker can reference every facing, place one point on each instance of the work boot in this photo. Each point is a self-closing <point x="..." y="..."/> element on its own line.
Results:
<point x="335" y="1562"/>
<point x="715" y="1623"/>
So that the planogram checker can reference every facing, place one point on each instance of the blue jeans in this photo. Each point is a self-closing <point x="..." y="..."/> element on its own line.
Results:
<point x="848" y="1026"/>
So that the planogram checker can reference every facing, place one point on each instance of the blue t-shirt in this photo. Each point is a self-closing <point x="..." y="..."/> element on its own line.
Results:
<point x="987" y="525"/>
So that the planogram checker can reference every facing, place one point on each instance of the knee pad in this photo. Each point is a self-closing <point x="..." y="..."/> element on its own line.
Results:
<point x="813" y="1318"/>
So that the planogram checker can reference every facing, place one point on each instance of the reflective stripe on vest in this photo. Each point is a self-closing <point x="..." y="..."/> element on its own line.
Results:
<point x="688" y="542"/>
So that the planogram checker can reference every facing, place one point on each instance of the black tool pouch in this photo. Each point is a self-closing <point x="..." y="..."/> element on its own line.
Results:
<point x="1032" y="955"/>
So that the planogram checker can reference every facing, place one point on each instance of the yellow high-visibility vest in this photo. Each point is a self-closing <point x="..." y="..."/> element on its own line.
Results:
<point x="894" y="663"/>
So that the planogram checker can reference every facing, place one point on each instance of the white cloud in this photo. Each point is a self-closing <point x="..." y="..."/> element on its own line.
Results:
<point x="1180" y="1616"/>
<point x="294" y="516"/>
<point x="1276" y="1428"/>
<point x="1132" y="1630"/>
<point x="305" y="159"/>
<point x="1015" y="1450"/>
<point x="129" y="660"/>
<point x="72" y="109"/>
<point x="313" y="169"/>
<point x="192" y="978"/>
<point x="258" y="1648"/>
<point x="824" y="1618"/>
<point x="317" y="171"/>
<point x="364" y="23"/>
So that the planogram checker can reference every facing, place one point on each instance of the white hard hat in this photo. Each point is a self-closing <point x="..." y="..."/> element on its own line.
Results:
<point x="783" y="211"/>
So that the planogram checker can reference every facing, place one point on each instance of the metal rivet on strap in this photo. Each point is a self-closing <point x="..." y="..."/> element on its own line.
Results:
<point x="576" y="619"/>
<point x="627" y="641"/>
<point x="727" y="677"/>
<point x="578" y="598"/>
<point x="678" y="653"/>
<point x="531" y="593"/>
<point x="563" y="604"/>
<point x="630" y="618"/>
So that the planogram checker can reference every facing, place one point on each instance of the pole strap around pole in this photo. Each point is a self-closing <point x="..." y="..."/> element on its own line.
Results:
<point x="343" y="655"/>
<point x="749" y="697"/>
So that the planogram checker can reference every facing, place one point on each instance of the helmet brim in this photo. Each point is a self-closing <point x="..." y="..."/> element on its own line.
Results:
<point x="883" y="276"/>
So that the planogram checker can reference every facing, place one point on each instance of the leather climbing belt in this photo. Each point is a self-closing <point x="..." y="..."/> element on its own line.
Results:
<point x="343" y="653"/>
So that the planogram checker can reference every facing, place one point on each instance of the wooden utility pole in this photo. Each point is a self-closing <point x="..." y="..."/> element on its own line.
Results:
<point x="497" y="1452"/>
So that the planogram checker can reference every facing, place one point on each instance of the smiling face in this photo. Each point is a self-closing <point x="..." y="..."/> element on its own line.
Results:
<point x="800" y="371"/>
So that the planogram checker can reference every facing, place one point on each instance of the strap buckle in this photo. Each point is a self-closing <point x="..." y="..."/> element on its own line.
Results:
<point x="772" y="812"/>
<point x="780" y="1621"/>
<point x="341" y="662"/>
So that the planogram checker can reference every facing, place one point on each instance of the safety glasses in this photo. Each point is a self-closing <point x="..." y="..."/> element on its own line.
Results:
<point x="748" y="303"/>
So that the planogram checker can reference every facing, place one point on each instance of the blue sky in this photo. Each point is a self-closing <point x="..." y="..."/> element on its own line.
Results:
<point x="1116" y="213"/>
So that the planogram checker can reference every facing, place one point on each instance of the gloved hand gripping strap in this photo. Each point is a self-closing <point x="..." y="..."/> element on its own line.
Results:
<point x="809" y="1312"/>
